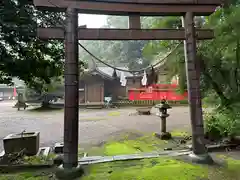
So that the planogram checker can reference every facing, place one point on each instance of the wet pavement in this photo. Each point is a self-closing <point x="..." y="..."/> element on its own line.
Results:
<point x="96" y="126"/>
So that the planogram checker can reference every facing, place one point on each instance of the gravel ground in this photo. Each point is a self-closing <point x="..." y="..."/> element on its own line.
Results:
<point x="96" y="126"/>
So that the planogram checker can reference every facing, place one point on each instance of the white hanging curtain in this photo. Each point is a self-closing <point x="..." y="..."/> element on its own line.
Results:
<point x="123" y="79"/>
<point x="144" y="79"/>
<point x="175" y="80"/>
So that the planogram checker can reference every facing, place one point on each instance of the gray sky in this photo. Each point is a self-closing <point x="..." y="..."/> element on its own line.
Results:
<point x="92" y="21"/>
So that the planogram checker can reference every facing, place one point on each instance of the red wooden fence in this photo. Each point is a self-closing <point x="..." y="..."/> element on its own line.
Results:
<point x="157" y="92"/>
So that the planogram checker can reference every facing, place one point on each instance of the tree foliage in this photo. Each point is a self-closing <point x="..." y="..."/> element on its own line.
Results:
<point x="22" y="54"/>
<point x="220" y="63"/>
<point x="37" y="63"/>
<point x="218" y="58"/>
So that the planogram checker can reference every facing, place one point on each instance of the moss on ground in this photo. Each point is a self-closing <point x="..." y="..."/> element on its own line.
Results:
<point x="147" y="169"/>
<point x="162" y="168"/>
<point x="130" y="143"/>
<point x="32" y="175"/>
<point x="179" y="133"/>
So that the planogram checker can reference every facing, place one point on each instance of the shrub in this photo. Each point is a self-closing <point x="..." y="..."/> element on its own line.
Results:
<point x="211" y="99"/>
<point x="222" y="123"/>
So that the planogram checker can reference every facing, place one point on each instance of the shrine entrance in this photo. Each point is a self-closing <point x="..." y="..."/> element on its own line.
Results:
<point x="134" y="9"/>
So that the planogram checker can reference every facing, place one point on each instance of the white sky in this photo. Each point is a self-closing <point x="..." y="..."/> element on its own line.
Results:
<point x="92" y="21"/>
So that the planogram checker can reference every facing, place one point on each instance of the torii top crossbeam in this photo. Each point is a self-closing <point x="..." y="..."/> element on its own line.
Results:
<point x="127" y="7"/>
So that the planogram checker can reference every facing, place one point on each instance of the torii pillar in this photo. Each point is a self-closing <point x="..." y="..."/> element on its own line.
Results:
<point x="71" y="107"/>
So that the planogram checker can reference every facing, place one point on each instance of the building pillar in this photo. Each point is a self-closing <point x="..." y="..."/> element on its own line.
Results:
<point x="193" y="84"/>
<point x="71" y="74"/>
<point x="134" y="22"/>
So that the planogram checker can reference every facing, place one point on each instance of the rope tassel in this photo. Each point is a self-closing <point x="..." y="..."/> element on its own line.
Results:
<point x="114" y="74"/>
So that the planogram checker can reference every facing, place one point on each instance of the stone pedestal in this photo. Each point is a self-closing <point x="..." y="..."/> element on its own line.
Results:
<point x="163" y="135"/>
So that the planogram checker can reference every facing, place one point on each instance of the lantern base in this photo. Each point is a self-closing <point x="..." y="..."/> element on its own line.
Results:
<point x="164" y="135"/>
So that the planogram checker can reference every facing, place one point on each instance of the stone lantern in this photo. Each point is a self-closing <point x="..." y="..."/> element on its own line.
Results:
<point x="163" y="107"/>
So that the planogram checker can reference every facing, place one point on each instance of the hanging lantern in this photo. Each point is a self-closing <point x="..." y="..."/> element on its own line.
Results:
<point x="114" y="74"/>
<point x="155" y="77"/>
<point x="148" y="79"/>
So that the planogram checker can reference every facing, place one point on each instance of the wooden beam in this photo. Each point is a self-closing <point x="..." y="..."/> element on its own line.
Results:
<point x="148" y="9"/>
<point x="124" y="34"/>
<point x="157" y="2"/>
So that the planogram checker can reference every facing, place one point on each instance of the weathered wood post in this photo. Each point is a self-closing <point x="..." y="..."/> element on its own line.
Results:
<point x="134" y="22"/>
<point x="71" y="90"/>
<point x="194" y="96"/>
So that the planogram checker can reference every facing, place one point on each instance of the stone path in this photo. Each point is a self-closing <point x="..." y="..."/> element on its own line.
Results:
<point x="96" y="126"/>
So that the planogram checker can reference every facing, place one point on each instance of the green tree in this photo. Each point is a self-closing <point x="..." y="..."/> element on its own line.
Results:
<point x="219" y="57"/>
<point x="22" y="54"/>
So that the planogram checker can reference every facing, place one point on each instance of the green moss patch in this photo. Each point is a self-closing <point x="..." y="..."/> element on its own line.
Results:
<point x="114" y="113"/>
<point x="163" y="168"/>
<point x="147" y="169"/>
<point x="127" y="144"/>
<point x="130" y="146"/>
<point x="179" y="133"/>
<point x="131" y="143"/>
<point x="37" y="175"/>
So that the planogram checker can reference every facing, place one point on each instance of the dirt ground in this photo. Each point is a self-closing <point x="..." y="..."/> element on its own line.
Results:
<point x="96" y="126"/>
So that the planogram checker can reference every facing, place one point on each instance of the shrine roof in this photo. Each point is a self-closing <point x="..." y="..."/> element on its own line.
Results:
<point x="109" y="71"/>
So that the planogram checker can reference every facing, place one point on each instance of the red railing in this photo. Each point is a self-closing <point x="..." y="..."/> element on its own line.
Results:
<point x="157" y="92"/>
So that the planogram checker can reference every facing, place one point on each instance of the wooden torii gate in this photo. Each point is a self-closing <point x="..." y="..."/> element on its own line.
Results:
<point x="134" y="9"/>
